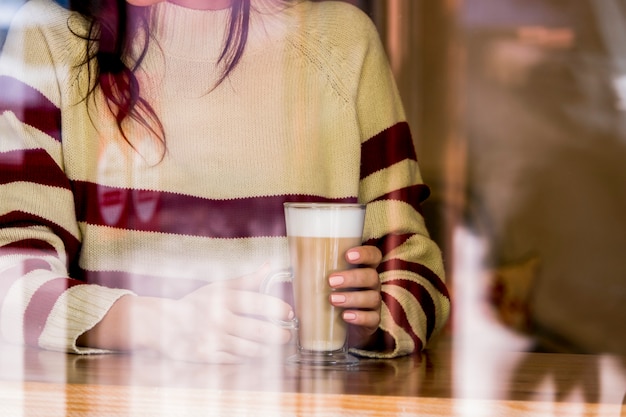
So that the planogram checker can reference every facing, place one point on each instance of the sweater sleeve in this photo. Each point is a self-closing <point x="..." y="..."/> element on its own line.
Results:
<point x="40" y="304"/>
<point x="416" y="302"/>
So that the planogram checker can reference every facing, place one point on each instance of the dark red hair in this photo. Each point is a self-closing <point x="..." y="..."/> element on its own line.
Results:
<point x="113" y="27"/>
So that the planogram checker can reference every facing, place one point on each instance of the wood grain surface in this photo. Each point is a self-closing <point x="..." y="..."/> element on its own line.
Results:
<point x="440" y="382"/>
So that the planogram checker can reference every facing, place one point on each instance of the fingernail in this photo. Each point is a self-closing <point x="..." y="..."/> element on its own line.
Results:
<point x="291" y="315"/>
<point x="335" y="280"/>
<point x="353" y="256"/>
<point x="337" y="298"/>
<point x="349" y="316"/>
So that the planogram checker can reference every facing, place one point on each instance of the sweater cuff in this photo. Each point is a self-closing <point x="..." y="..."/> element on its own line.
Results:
<point x="76" y="311"/>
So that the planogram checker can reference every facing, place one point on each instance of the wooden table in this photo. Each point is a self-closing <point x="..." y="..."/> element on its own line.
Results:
<point x="448" y="380"/>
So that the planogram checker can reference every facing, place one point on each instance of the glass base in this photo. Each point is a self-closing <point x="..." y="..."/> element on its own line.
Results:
<point x="332" y="359"/>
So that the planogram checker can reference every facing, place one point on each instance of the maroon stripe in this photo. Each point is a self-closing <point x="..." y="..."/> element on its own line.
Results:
<point x="165" y="212"/>
<point x="22" y="219"/>
<point x="389" y="147"/>
<point x="164" y="287"/>
<point x="40" y="306"/>
<point x="400" y="318"/>
<point x="423" y="297"/>
<point x="30" y="106"/>
<point x="31" y="165"/>
<point x="413" y="195"/>
<point x="389" y="242"/>
<point x="143" y="285"/>
<point x="30" y="246"/>
<point x="423" y="271"/>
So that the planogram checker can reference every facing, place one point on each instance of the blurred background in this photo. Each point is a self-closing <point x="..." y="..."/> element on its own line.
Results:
<point x="517" y="110"/>
<point x="518" y="113"/>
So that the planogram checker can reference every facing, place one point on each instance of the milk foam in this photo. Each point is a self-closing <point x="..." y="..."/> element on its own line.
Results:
<point x="325" y="221"/>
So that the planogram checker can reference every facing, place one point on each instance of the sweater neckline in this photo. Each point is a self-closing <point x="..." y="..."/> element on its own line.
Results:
<point x="199" y="35"/>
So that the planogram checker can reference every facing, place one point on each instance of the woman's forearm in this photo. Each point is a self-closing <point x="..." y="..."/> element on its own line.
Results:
<point x="129" y="325"/>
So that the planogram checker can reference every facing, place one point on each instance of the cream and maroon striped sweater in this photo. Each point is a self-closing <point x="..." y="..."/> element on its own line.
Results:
<point x="311" y="113"/>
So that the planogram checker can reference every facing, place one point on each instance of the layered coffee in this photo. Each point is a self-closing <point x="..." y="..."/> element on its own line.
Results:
<point x="318" y="241"/>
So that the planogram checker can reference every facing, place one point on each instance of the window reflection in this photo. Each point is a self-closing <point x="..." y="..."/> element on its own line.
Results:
<point x="538" y="256"/>
<point x="546" y="178"/>
<point x="520" y="105"/>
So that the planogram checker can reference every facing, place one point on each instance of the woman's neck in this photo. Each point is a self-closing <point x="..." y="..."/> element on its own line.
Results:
<point x="203" y="4"/>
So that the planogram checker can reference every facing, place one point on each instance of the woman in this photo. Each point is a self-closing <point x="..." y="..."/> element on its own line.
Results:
<point x="146" y="153"/>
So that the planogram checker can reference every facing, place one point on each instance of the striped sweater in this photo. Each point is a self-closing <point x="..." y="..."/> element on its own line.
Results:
<point x="311" y="113"/>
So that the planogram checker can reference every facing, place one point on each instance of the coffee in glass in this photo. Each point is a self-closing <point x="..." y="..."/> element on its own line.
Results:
<point x="319" y="235"/>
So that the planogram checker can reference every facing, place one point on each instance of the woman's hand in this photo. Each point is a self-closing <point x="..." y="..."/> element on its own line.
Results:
<point x="225" y="322"/>
<point x="357" y="291"/>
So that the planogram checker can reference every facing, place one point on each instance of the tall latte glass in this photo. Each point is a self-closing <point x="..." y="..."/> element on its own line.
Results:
<point x="319" y="235"/>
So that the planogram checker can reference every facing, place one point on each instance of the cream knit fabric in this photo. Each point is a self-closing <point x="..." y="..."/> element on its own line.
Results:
<point x="311" y="113"/>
